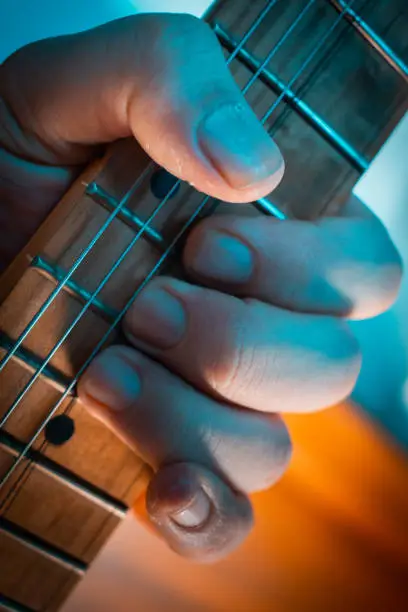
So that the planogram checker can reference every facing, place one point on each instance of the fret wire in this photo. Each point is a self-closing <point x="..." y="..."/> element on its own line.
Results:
<point x="306" y="63"/>
<point x="261" y="17"/>
<point x="277" y="46"/>
<point x="377" y="43"/>
<point x="104" y="281"/>
<point x="54" y="273"/>
<point x="147" y="278"/>
<point x="64" y="476"/>
<point x="40" y="546"/>
<point x="100" y="196"/>
<point x="267" y="207"/>
<point x="358" y="161"/>
<point x="6" y="603"/>
<point x="72" y="270"/>
<point x="29" y="360"/>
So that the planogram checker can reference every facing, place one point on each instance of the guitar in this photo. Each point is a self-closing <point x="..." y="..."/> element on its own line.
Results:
<point x="330" y="95"/>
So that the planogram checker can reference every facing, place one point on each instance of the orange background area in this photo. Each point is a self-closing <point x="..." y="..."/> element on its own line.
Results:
<point x="332" y="535"/>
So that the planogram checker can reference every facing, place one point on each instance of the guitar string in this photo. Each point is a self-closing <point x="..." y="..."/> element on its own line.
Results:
<point x="99" y="288"/>
<point x="62" y="283"/>
<point x="309" y="59"/>
<point x="158" y="265"/>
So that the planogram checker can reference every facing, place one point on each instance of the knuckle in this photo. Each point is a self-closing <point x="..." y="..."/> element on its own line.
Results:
<point x="12" y="74"/>
<point x="197" y="42"/>
<point x="177" y="51"/>
<point x="191" y="23"/>
<point x="179" y="30"/>
<point x="191" y="26"/>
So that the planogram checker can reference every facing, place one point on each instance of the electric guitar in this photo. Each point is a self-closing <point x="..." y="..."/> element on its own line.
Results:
<point x="329" y="80"/>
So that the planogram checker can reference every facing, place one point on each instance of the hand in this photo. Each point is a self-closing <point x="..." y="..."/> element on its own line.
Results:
<point x="198" y="393"/>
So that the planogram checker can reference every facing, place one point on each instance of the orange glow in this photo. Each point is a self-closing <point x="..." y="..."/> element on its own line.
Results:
<point x="332" y="535"/>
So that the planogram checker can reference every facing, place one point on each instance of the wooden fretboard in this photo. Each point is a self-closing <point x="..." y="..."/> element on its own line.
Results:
<point x="76" y="482"/>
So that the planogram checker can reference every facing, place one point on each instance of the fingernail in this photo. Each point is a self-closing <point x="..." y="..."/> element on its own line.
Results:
<point x="237" y="145"/>
<point x="222" y="257"/>
<point x="196" y="513"/>
<point x="157" y="318"/>
<point x="111" y="381"/>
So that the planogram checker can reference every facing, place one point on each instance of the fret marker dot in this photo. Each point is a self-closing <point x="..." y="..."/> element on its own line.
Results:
<point x="162" y="182"/>
<point x="59" y="430"/>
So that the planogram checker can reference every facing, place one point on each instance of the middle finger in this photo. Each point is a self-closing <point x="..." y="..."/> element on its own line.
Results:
<point x="244" y="351"/>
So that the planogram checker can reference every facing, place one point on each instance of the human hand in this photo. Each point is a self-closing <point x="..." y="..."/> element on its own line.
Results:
<point x="198" y="394"/>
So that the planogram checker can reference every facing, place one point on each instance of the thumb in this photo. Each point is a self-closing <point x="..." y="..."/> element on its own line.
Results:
<point x="161" y="78"/>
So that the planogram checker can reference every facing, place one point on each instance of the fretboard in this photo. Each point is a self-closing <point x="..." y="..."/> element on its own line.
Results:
<point x="75" y="481"/>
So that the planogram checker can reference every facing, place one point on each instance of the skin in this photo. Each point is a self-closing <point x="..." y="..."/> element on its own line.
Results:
<point x="199" y="387"/>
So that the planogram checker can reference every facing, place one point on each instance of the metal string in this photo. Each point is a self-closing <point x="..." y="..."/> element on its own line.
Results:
<point x="308" y="60"/>
<point x="157" y="266"/>
<point x="62" y="283"/>
<point x="278" y="45"/>
<point x="30" y="326"/>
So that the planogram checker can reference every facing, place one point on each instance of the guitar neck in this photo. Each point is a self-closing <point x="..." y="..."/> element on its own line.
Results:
<point x="76" y="480"/>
